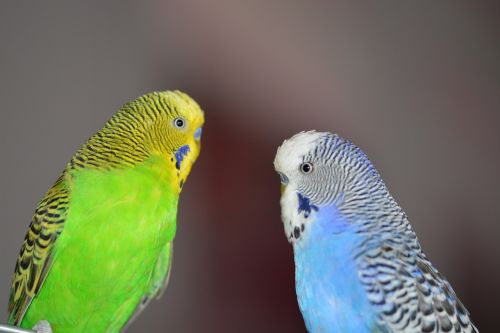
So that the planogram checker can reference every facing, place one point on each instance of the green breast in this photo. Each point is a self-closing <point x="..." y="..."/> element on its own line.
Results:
<point x="117" y="224"/>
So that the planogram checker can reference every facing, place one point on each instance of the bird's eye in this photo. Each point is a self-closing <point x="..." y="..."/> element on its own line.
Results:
<point x="179" y="122"/>
<point x="306" y="167"/>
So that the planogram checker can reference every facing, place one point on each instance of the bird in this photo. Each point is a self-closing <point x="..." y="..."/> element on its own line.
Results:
<point x="99" y="246"/>
<point x="359" y="266"/>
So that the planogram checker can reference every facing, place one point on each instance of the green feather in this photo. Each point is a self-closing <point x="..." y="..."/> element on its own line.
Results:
<point x="117" y="225"/>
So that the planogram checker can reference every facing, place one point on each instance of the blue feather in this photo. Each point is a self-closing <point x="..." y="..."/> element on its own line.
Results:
<point x="330" y="294"/>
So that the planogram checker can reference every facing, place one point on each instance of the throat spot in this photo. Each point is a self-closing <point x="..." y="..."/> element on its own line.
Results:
<point x="296" y="232"/>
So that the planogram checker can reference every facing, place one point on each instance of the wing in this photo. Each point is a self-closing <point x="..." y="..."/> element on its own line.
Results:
<point x="34" y="260"/>
<point x="409" y="293"/>
<point x="158" y="281"/>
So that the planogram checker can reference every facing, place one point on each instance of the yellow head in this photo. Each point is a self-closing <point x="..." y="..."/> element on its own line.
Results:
<point x="160" y="124"/>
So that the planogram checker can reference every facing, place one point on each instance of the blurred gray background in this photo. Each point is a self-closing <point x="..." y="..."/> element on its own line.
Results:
<point x="415" y="84"/>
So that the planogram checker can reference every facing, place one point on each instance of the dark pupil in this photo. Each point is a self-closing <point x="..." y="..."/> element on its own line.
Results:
<point x="179" y="122"/>
<point x="306" y="167"/>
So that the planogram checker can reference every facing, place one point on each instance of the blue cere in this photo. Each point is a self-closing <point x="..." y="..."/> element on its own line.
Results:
<point x="179" y="155"/>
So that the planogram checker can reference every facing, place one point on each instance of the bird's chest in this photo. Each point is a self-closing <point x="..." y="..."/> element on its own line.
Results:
<point x="329" y="292"/>
<point x="116" y="227"/>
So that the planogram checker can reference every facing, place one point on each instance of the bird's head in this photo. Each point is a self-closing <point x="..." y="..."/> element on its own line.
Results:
<point x="319" y="169"/>
<point x="165" y="124"/>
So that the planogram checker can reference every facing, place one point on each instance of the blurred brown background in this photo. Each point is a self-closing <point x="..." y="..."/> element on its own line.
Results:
<point x="415" y="84"/>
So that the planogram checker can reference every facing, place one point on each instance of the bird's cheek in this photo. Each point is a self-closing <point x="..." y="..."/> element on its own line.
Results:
<point x="180" y="155"/>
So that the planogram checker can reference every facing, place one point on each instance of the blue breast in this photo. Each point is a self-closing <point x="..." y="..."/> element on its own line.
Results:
<point x="330" y="296"/>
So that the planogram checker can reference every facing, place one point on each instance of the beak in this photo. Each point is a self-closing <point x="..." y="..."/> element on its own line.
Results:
<point x="284" y="182"/>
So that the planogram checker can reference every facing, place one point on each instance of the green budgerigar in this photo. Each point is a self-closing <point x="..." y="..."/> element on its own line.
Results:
<point x="99" y="246"/>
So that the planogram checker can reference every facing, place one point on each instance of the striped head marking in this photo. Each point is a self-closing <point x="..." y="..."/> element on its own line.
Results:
<point x="163" y="124"/>
<point x="317" y="169"/>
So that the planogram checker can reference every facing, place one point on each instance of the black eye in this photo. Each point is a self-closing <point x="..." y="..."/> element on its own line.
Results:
<point x="179" y="122"/>
<point x="306" y="167"/>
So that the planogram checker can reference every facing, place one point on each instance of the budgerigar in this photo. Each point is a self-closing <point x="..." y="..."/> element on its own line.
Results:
<point x="99" y="246"/>
<point x="358" y="264"/>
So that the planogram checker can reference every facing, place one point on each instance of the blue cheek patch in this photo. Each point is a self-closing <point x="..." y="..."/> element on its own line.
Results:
<point x="197" y="133"/>
<point x="179" y="155"/>
<point x="305" y="206"/>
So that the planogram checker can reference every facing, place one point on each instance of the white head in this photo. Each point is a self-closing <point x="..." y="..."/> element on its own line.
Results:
<point x="319" y="169"/>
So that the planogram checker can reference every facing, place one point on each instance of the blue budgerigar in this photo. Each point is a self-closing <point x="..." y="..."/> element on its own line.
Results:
<point x="358" y="264"/>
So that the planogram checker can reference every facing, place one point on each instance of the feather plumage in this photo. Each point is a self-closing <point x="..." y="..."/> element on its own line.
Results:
<point x="99" y="246"/>
<point x="35" y="257"/>
<point x="351" y="220"/>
